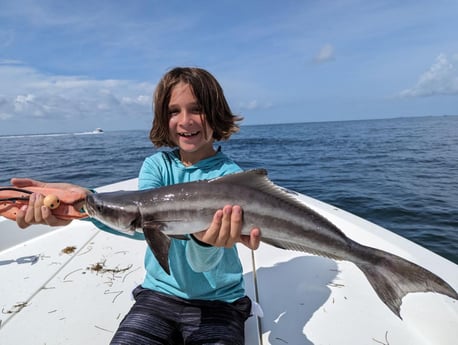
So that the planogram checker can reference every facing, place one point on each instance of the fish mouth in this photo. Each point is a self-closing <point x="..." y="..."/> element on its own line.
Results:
<point x="188" y="134"/>
<point x="87" y="206"/>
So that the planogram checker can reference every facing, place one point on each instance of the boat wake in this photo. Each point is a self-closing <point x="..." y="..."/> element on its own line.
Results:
<point x="21" y="136"/>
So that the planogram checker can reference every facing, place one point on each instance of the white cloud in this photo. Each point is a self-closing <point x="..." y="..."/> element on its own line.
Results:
<point x="254" y="105"/>
<point x="23" y="100"/>
<point x="326" y="53"/>
<point x="440" y="79"/>
<point x="27" y="93"/>
<point x="140" y="100"/>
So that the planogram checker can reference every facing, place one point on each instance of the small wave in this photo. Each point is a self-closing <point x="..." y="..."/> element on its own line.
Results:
<point x="22" y="136"/>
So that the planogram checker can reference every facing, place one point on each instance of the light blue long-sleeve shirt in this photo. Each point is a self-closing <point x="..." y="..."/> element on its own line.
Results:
<point x="197" y="271"/>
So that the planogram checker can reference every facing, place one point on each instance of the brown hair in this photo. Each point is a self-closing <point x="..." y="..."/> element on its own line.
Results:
<point x="209" y="96"/>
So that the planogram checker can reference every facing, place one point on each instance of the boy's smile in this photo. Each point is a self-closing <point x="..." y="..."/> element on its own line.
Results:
<point x="188" y="135"/>
<point x="187" y="126"/>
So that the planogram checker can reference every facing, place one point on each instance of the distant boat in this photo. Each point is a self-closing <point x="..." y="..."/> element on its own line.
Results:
<point x="97" y="130"/>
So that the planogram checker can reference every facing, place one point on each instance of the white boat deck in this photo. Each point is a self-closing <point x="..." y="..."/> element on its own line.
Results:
<point x="72" y="285"/>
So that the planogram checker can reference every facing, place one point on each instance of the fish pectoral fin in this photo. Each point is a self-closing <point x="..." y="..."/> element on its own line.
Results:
<point x="159" y="243"/>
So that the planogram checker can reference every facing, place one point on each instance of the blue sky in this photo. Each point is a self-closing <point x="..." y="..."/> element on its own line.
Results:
<point x="70" y="66"/>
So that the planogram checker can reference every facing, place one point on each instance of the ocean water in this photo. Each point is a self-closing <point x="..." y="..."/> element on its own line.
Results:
<point x="399" y="173"/>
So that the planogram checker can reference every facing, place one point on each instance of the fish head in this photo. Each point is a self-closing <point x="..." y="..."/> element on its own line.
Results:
<point x="114" y="210"/>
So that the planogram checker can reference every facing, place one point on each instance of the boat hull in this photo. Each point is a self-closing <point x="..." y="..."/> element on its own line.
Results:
<point x="73" y="285"/>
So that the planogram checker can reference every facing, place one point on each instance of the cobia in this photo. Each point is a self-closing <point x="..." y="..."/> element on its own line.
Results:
<point x="285" y="222"/>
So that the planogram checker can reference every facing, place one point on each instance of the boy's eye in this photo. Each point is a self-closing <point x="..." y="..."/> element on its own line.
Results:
<point x="173" y="112"/>
<point x="191" y="110"/>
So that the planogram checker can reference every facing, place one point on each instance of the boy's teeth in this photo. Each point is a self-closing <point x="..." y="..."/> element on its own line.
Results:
<point x="188" y="134"/>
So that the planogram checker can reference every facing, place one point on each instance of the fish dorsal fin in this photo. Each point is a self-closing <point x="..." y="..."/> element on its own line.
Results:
<point x="249" y="178"/>
<point x="257" y="179"/>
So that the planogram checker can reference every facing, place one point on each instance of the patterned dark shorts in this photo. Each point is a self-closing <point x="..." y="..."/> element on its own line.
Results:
<point x="158" y="318"/>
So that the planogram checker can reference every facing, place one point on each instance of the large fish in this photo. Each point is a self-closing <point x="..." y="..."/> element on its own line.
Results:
<point x="285" y="222"/>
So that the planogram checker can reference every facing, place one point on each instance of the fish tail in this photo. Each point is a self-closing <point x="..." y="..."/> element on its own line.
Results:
<point x="393" y="277"/>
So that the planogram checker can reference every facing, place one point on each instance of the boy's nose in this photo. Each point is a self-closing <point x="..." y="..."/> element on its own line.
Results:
<point x="186" y="118"/>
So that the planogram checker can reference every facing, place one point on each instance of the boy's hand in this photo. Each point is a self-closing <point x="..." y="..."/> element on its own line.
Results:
<point x="35" y="212"/>
<point x="226" y="230"/>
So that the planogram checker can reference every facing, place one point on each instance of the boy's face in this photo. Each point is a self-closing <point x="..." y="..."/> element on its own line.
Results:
<point x="193" y="137"/>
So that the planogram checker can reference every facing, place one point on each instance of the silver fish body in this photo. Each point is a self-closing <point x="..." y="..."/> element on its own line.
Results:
<point x="284" y="221"/>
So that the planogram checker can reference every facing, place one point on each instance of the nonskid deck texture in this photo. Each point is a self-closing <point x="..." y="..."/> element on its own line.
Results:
<point x="73" y="285"/>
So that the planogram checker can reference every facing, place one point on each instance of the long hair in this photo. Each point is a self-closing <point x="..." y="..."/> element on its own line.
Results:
<point x="209" y="95"/>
